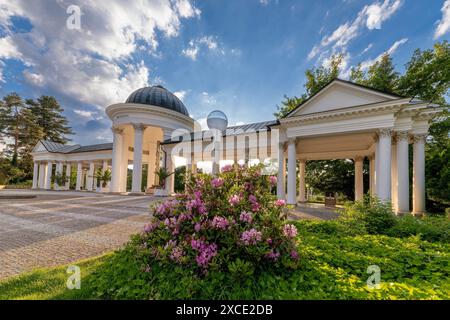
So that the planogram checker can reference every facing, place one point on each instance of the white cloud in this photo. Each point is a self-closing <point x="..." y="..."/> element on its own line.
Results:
<point x="186" y="9"/>
<point x="366" y="64"/>
<point x="195" y="45"/>
<point x="444" y="24"/>
<point x="180" y="94"/>
<point x="208" y="99"/>
<point x="95" y="64"/>
<point x="379" y="12"/>
<point x="84" y="113"/>
<point x="370" y="16"/>
<point x="367" y="48"/>
<point x="8" y="50"/>
<point x="264" y="2"/>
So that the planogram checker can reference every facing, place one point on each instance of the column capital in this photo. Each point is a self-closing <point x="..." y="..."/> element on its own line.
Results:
<point x="419" y="138"/>
<point x="302" y="160"/>
<point x="117" y="130"/>
<point x="358" y="158"/>
<point x="139" y="126"/>
<point x="291" y="140"/>
<point x="385" y="133"/>
<point x="402" y="135"/>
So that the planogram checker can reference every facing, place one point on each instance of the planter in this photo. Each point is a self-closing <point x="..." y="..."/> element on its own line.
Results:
<point x="105" y="189"/>
<point x="2" y="187"/>
<point x="161" y="192"/>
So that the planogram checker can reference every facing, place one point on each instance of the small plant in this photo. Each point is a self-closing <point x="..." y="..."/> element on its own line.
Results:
<point x="60" y="178"/>
<point x="163" y="174"/>
<point x="103" y="177"/>
<point x="370" y="214"/>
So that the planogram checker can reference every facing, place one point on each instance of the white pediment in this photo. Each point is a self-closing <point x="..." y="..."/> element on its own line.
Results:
<point x="39" y="147"/>
<point x="340" y="94"/>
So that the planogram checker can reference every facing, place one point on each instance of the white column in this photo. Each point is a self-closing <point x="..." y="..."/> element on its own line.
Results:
<point x="68" y="174"/>
<point x="170" y="181"/>
<point x="302" y="183"/>
<point x="124" y="164"/>
<point x="281" y="172"/>
<point x="42" y="178"/>
<point x="116" y="159"/>
<point x="35" y="174"/>
<point x="359" y="180"/>
<point x="394" y="175"/>
<point x="402" y="173"/>
<point x="59" y="169"/>
<point x="137" y="158"/>
<point x="377" y="165"/>
<point x="383" y="177"/>
<point x="419" y="175"/>
<point x="292" y="174"/>
<point x="372" y="174"/>
<point x="152" y="155"/>
<point x="48" y="176"/>
<point x="90" y="176"/>
<point x="79" y="176"/>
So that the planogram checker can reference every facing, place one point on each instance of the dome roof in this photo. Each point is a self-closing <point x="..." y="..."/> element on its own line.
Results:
<point x="158" y="96"/>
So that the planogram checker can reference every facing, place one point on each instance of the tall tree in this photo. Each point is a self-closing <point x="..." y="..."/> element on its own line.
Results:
<point x="427" y="74"/>
<point x="47" y="113"/>
<point x="17" y="125"/>
<point x="382" y="75"/>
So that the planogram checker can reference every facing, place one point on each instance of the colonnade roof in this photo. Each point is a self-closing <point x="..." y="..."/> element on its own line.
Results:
<point x="230" y="131"/>
<point x="54" y="147"/>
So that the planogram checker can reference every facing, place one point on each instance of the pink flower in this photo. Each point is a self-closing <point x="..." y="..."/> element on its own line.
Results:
<point x="150" y="227"/>
<point x="273" y="255"/>
<point x="220" y="223"/>
<point x="227" y="168"/>
<point x="246" y="217"/>
<point x="251" y="236"/>
<point x="280" y="203"/>
<point x="289" y="230"/>
<point x="206" y="251"/>
<point x="273" y="180"/>
<point x="176" y="254"/>
<point x="294" y="254"/>
<point x="234" y="200"/>
<point x="217" y="182"/>
<point x="197" y="227"/>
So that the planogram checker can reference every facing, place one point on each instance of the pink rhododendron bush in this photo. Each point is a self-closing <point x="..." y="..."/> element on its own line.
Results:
<point x="231" y="222"/>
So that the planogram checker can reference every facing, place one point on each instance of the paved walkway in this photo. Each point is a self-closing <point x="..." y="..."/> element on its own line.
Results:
<point x="61" y="227"/>
<point x="314" y="211"/>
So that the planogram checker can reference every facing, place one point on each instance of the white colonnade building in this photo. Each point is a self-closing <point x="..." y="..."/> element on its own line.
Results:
<point x="342" y="121"/>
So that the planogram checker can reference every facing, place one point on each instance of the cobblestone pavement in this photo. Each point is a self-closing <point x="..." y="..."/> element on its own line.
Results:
<point x="61" y="227"/>
<point x="313" y="211"/>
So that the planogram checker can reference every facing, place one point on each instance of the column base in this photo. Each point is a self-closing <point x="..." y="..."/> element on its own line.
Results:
<point x="418" y="214"/>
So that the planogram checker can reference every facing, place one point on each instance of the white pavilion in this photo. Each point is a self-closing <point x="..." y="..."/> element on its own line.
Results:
<point x="342" y="121"/>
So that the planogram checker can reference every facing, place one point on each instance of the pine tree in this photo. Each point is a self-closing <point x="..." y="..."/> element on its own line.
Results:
<point x="47" y="113"/>
<point x="382" y="75"/>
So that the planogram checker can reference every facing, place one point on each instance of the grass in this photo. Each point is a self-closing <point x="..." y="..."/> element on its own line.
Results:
<point x="334" y="265"/>
<point x="49" y="283"/>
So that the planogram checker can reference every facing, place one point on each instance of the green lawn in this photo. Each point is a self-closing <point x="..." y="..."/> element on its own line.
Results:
<point x="334" y="265"/>
<point x="49" y="283"/>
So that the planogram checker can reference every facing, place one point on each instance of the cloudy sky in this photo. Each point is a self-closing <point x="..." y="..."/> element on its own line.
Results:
<point x="240" y="56"/>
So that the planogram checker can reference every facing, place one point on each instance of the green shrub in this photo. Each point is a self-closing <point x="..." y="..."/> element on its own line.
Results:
<point x="433" y="228"/>
<point x="370" y="214"/>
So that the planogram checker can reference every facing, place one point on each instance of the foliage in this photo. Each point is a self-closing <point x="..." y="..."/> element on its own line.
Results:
<point x="331" y="176"/>
<point x="24" y="123"/>
<point x="103" y="177"/>
<point x="370" y="214"/>
<point x="180" y="176"/>
<point x="222" y="223"/>
<point x="60" y="178"/>
<point x="163" y="174"/>
<point x="373" y="216"/>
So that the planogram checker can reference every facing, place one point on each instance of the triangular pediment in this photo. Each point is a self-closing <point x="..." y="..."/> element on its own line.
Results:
<point x="340" y="94"/>
<point x="39" y="147"/>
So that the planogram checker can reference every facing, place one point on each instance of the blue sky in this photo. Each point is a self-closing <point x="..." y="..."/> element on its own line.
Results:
<point x="240" y="56"/>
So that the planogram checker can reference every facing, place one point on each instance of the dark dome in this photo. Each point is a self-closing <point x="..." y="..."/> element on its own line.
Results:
<point x="158" y="96"/>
